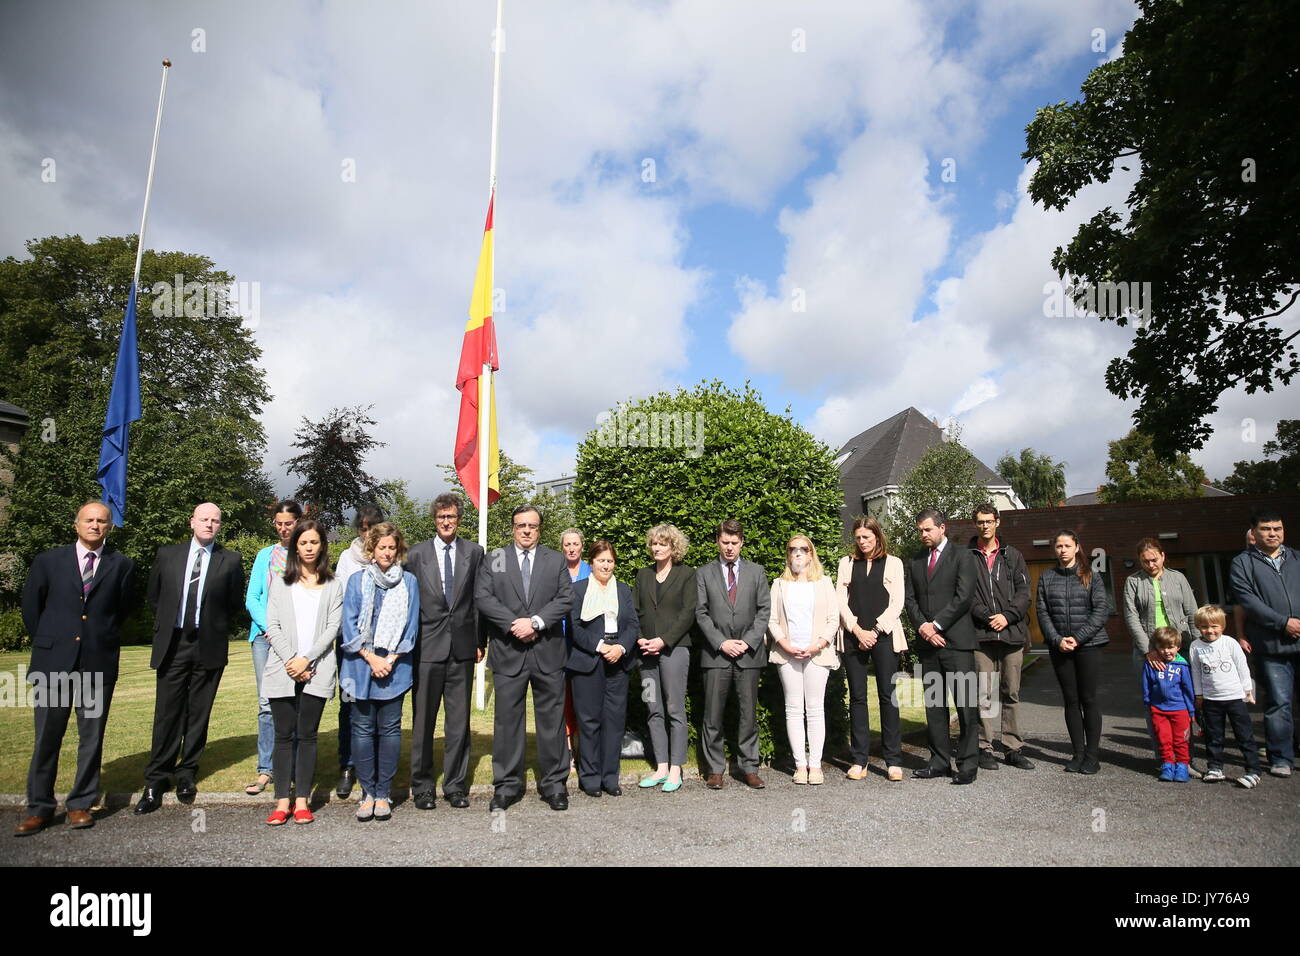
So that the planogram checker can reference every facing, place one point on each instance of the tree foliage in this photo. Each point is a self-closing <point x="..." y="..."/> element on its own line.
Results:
<point x="947" y="479"/>
<point x="331" y="468"/>
<point x="1277" y="473"/>
<point x="1200" y="99"/>
<point x="201" y="390"/>
<point x="1037" y="480"/>
<point x="1136" y="472"/>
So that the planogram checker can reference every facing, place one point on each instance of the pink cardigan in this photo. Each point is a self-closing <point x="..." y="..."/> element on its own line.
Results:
<point x="890" y="621"/>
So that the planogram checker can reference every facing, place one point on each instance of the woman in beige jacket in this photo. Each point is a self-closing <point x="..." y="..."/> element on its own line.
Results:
<point x="802" y="630"/>
<point x="869" y="585"/>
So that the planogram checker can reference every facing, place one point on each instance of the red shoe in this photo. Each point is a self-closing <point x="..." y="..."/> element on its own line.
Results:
<point x="303" y="816"/>
<point x="277" y="818"/>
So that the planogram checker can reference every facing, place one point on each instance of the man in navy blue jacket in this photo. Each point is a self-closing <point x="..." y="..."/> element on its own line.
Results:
<point x="74" y="602"/>
<point x="1266" y="583"/>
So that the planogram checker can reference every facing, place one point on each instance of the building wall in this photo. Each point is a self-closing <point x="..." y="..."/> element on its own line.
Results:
<point x="1209" y="532"/>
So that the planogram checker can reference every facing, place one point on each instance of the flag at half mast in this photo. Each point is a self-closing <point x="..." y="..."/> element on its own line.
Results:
<point x="478" y="349"/>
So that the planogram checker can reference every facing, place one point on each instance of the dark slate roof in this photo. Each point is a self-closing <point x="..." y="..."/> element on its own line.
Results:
<point x="885" y="453"/>
<point x="13" y="413"/>
<point x="1092" y="498"/>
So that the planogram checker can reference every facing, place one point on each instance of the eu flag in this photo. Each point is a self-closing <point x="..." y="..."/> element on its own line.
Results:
<point x="123" y="409"/>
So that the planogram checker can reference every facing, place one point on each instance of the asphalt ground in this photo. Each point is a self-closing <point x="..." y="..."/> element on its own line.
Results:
<point x="1040" y="817"/>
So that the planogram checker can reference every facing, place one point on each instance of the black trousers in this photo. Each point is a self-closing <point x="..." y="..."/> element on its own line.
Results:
<point x="600" y="703"/>
<point x="1077" y="672"/>
<point x="182" y="705"/>
<point x="437" y="683"/>
<point x="297" y="719"/>
<point x="885" y="660"/>
<point x="947" y="672"/>
<point x="509" y="740"/>
<point x="1215" y="715"/>
<point x="91" y="695"/>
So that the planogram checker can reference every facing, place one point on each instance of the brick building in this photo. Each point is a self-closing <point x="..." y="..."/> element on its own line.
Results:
<point x="1199" y="535"/>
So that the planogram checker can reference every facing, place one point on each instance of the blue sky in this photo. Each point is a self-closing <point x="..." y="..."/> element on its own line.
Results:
<point x="796" y="146"/>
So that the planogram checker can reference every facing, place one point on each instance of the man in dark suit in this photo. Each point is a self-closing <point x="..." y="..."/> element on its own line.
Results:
<point x="733" y="605"/>
<point x="939" y="587"/>
<point x="74" y="602"/>
<point x="451" y="642"/>
<point x="522" y="593"/>
<point x="195" y="589"/>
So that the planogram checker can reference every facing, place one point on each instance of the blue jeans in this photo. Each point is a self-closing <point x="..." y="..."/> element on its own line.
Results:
<point x="265" y="725"/>
<point x="377" y="744"/>
<point x="1278" y="675"/>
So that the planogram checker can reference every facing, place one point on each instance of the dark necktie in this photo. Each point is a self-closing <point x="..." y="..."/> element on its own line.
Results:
<point x="192" y="597"/>
<point x="525" y="573"/>
<point x="446" y="573"/>
<point x="731" y="583"/>
<point x="88" y="574"/>
<point x="934" y="557"/>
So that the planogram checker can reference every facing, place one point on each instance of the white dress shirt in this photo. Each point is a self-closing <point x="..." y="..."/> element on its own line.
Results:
<point x="195" y="548"/>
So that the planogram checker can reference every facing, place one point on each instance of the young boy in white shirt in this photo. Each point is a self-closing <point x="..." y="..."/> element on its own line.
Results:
<point x="1221" y="680"/>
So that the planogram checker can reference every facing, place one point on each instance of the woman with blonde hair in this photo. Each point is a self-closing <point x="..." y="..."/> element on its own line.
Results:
<point x="869" y="583"/>
<point x="665" y="596"/>
<point x="803" y="627"/>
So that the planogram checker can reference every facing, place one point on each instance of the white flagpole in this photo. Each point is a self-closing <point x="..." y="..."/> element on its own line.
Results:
<point x="485" y="375"/>
<point x="148" y="184"/>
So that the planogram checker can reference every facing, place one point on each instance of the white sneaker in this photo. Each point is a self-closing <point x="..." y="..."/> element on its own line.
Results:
<point x="1249" y="781"/>
<point x="1213" y="775"/>
<point x="1280" y="770"/>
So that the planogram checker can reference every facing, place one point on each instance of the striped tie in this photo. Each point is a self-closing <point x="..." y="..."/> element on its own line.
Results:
<point x="192" y="597"/>
<point x="88" y="574"/>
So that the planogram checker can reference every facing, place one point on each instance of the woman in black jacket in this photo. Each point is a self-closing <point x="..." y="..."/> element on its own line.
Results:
<point x="1072" y="611"/>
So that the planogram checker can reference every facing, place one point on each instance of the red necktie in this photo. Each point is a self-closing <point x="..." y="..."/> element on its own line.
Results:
<point x="731" y="583"/>
<point x="934" y="556"/>
<point x="88" y="573"/>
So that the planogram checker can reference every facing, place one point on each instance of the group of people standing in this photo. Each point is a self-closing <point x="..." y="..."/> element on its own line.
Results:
<point x="391" y="620"/>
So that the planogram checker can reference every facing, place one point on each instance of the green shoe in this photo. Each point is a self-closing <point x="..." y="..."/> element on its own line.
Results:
<point x="672" y="787"/>
<point x="648" y="782"/>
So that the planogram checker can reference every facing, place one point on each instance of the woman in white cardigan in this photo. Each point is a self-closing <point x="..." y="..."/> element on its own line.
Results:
<point x="802" y="628"/>
<point x="869" y="585"/>
<point x="304" y="611"/>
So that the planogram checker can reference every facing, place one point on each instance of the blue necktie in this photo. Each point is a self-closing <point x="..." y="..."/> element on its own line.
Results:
<point x="446" y="573"/>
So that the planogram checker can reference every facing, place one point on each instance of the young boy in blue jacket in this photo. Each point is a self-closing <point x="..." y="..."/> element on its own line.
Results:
<point x="1169" y="695"/>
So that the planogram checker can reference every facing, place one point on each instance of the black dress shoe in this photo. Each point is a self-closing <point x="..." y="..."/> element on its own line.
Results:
<point x="186" y="791"/>
<point x="931" y="773"/>
<point x="988" y="761"/>
<point x="347" y="780"/>
<point x="1090" y="765"/>
<point x="424" y="800"/>
<point x="614" y="791"/>
<point x="459" y="800"/>
<point x="503" y="801"/>
<point x="968" y="777"/>
<point x="1074" y="764"/>
<point x="590" y="793"/>
<point x="559" y="801"/>
<point x="150" y="800"/>
<point x="1016" y="759"/>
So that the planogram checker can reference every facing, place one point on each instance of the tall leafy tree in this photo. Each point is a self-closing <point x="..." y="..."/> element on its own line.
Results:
<point x="331" y="467"/>
<point x="946" y="478"/>
<point x="1203" y="100"/>
<point x="1036" y="479"/>
<point x="201" y="387"/>
<point x="1137" y="472"/>
<point x="1277" y="473"/>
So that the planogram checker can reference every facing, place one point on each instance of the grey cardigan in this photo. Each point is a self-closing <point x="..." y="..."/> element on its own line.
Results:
<point x="1140" y="606"/>
<point x="282" y="633"/>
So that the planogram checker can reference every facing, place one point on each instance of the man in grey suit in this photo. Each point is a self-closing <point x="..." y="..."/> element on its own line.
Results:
<point x="522" y="593"/>
<point x="732" y="610"/>
<point x="451" y="642"/>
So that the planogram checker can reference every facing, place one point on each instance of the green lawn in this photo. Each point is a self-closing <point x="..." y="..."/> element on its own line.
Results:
<point x="229" y="762"/>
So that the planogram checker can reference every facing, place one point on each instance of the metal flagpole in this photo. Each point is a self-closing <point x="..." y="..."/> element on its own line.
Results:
<point x="485" y="375"/>
<point x="148" y="185"/>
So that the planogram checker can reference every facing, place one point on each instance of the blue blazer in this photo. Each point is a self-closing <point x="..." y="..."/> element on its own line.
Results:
<point x="583" y="636"/>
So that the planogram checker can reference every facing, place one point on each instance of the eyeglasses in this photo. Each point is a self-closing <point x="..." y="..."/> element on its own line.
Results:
<point x="987" y="521"/>
<point x="530" y="525"/>
<point x="799" y="547"/>
<point x="447" y="517"/>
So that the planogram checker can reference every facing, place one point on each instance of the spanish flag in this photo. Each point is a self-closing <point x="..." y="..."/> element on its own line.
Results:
<point x="479" y="348"/>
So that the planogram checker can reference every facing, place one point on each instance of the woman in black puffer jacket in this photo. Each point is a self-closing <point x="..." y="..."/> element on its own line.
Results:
<point x="1072" y="611"/>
